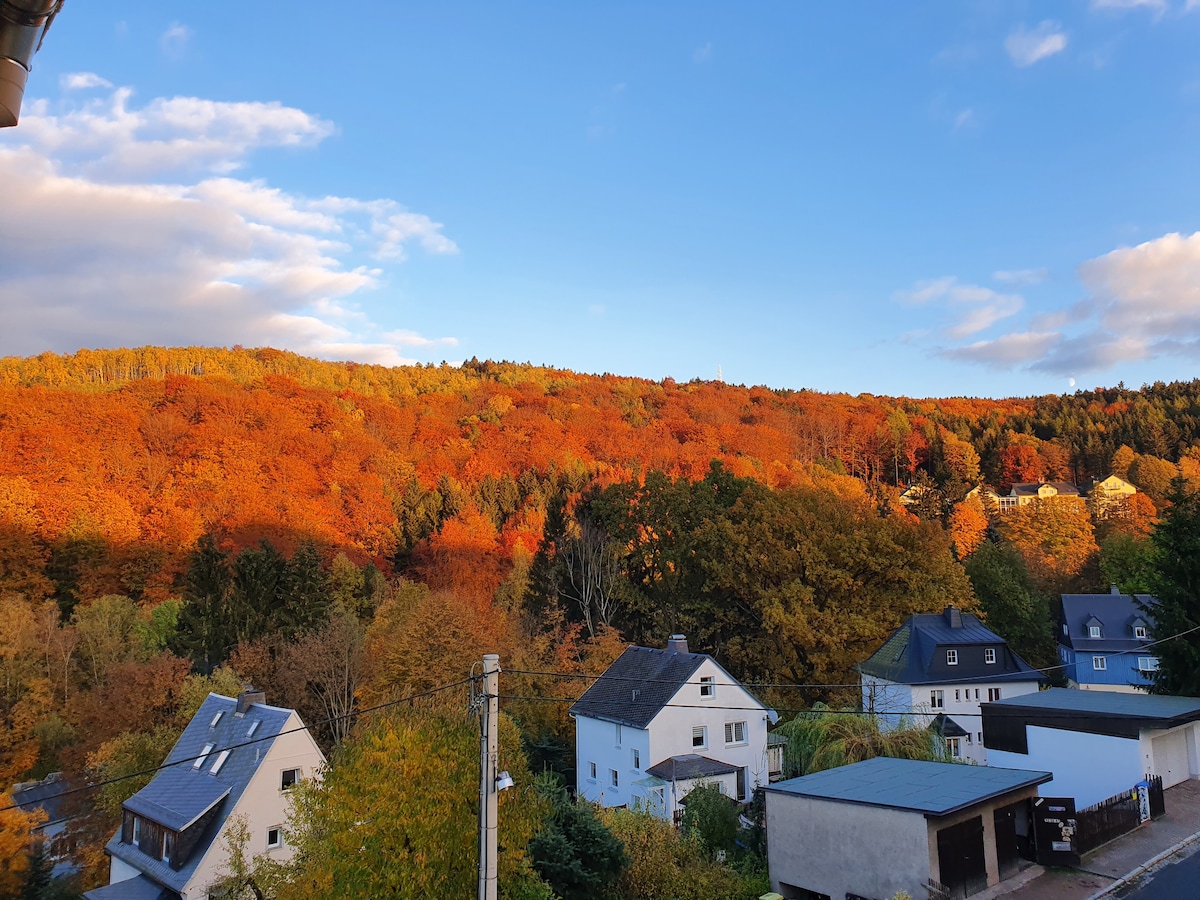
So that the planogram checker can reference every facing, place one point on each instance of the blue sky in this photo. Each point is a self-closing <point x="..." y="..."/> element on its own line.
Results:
<point x="931" y="199"/>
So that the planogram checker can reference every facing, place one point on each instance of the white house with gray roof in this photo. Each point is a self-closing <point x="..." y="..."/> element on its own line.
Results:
<point x="936" y="669"/>
<point x="658" y="723"/>
<point x="235" y="758"/>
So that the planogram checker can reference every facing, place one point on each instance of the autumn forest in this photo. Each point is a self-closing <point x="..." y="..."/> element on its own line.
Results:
<point x="175" y="521"/>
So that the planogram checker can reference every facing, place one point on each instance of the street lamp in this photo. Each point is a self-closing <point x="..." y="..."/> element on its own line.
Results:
<point x="23" y="27"/>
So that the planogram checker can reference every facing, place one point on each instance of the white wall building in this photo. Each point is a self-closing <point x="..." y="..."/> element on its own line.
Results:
<point x="659" y="722"/>
<point x="235" y="758"/>
<point x="936" y="669"/>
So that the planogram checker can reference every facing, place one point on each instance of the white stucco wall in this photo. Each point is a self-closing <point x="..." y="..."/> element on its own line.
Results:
<point x="1172" y="753"/>
<point x="263" y="804"/>
<point x="596" y="742"/>
<point x="1088" y="767"/>
<point x="897" y="703"/>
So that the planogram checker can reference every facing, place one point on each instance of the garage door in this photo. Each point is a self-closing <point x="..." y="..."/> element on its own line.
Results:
<point x="1171" y="757"/>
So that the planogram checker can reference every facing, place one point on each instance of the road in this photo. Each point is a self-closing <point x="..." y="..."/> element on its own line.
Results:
<point x="1178" y="880"/>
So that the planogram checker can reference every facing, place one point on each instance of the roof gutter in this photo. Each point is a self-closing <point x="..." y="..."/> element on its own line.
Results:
<point x="23" y="27"/>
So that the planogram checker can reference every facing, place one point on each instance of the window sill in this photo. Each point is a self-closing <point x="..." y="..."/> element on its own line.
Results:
<point x="737" y="744"/>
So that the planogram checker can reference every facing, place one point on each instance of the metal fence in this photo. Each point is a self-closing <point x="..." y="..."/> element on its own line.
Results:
<point x="1106" y="820"/>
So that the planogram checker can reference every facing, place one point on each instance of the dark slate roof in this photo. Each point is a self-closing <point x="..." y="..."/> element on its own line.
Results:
<point x="139" y="888"/>
<point x="176" y="793"/>
<point x="915" y="653"/>
<point x="689" y="765"/>
<point x="947" y="727"/>
<point x="1116" y="614"/>
<point x="1118" y="714"/>
<point x="932" y="788"/>
<point x="46" y="795"/>
<point x="638" y="685"/>
<point x="1030" y="488"/>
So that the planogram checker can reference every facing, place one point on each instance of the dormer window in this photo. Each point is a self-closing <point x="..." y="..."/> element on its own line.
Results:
<point x="952" y="657"/>
<point x="1139" y="632"/>
<point x="1093" y="631"/>
<point x="708" y="686"/>
<point x="208" y="748"/>
<point x="989" y="655"/>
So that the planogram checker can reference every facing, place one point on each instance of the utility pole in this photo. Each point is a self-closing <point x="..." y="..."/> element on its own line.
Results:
<point x="488" y="794"/>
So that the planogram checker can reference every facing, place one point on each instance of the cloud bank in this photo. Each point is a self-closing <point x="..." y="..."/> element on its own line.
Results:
<point x="1026" y="47"/>
<point x="128" y="225"/>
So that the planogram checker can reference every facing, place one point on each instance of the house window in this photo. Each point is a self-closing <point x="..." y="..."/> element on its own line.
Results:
<point x="168" y="847"/>
<point x="735" y="732"/>
<point x="613" y="778"/>
<point x="699" y="737"/>
<point x="1099" y="663"/>
<point x="592" y="771"/>
<point x="1148" y="663"/>
<point x="203" y="756"/>
<point x="221" y="757"/>
<point x="743" y="783"/>
<point x="275" y="837"/>
<point x="952" y="657"/>
<point x="989" y="655"/>
<point x="1093" y="631"/>
<point x="952" y="744"/>
<point x="937" y="699"/>
<point x="993" y="695"/>
<point x="635" y="757"/>
<point x="968" y="739"/>
<point x="618" y="735"/>
<point x="708" y="686"/>
<point x="957" y="695"/>
<point x="288" y="779"/>
<point x="137" y="831"/>
<point x="1139" y="632"/>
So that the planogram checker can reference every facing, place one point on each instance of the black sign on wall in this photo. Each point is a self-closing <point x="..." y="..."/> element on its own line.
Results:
<point x="1054" y="830"/>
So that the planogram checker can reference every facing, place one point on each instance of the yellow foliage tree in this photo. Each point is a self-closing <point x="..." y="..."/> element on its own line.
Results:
<point x="1054" y="536"/>
<point x="16" y="829"/>
<point x="968" y="525"/>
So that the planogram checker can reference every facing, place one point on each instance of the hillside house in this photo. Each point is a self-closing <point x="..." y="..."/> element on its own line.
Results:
<point x="1104" y="641"/>
<point x="659" y="722"/>
<point x="936" y="669"/>
<point x="237" y="757"/>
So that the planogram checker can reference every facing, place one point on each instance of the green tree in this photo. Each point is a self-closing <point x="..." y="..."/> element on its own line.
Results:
<point x="1011" y="604"/>
<point x="825" y="739"/>
<point x="1176" y="583"/>
<point x="712" y="818"/>
<point x="574" y="852"/>
<point x="1128" y="562"/>
<point x="206" y="628"/>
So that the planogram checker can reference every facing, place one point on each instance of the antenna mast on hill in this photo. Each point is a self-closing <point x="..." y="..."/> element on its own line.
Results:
<point x="719" y="378"/>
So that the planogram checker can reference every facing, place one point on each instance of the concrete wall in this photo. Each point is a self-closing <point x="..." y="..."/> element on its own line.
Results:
<point x="986" y="813"/>
<point x="1088" y="767"/>
<point x="835" y="848"/>
<point x="263" y="805"/>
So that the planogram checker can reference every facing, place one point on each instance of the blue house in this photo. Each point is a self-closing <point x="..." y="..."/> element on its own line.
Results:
<point x="1104" y="641"/>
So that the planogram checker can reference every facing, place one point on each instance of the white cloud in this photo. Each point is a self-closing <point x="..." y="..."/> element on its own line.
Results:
<point x="175" y="39"/>
<point x="974" y="308"/>
<point x="126" y="229"/>
<point x="964" y="119"/>
<point x="1158" y="6"/>
<point x="82" y="81"/>
<point x="1026" y="47"/>
<point x="702" y="54"/>
<point x="1021" y="276"/>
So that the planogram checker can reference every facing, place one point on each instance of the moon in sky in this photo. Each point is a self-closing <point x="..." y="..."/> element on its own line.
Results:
<point x="1071" y="382"/>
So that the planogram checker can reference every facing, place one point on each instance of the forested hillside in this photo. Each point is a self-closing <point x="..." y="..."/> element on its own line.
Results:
<point x="175" y="521"/>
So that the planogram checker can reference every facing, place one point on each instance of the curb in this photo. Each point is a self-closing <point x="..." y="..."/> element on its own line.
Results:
<point x="1153" y="861"/>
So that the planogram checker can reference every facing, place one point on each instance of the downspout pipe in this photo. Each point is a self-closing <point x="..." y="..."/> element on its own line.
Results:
<point x="23" y="27"/>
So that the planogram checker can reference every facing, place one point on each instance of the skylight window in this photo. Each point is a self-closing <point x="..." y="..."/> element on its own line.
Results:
<point x="203" y="756"/>
<point x="221" y="757"/>
<point x="253" y="728"/>
<point x="216" y="719"/>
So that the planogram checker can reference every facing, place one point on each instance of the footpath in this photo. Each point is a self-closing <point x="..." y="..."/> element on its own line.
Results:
<point x="1104" y="869"/>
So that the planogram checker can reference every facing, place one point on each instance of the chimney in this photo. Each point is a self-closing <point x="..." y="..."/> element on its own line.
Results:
<point x="1113" y="589"/>
<point x="677" y="643"/>
<point x="953" y="617"/>
<point x="246" y="699"/>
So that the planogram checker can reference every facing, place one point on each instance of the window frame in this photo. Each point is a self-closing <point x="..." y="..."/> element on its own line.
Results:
<point x="614" y="779"/>
<point x="298" y="777"/>
<point x="731" y="731"/>
<point x="708" y="687"/>
<point x="591" y="771"/>
<point x="618" y="727"/>
<point x="1147" y="663"/>
<point x="952" y="657"/>
<point x="1099" y="663"/>
<point x="199" y="760"/>
<point x="701" y="732"/>
<point x="1139" y="632"/>
<point x="989" y="656"/>
<point x="954" y="748"/>
<point x="278" y="829"/>
<point x="937" y="699"/>
<point x="994" y="694"/>
<point x="1093" y="631"/>
<point x="635" y="759"/>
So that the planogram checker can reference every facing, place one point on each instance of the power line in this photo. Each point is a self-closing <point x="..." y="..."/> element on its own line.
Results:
<point x="267" y="737"/>
<point x="836" y="712"/>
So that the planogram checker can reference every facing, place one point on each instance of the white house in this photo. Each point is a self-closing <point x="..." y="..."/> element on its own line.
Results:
<point x="936" y="669"/>
<point x="659" y="722"/>
<point x="235" y="758"/>
<point x="1097" y="743"/>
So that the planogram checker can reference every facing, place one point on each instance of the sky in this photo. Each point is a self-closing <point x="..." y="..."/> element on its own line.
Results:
<point x="978" y="198"/>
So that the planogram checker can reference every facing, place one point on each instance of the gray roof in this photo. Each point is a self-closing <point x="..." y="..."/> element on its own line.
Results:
<point x="47" y="795"/>
<point x="932" y="788"/>
<point x="915" y="653"/>
<point x="688" y="766"/>
<point x="180" y="793"/>
<point x="139" y="888"/>
<point x="1125" y="705"/>
<point x="1030" y="488"/>
<point x="638" y="685"/>
<point x="947" y="727"/>
<point x="1116" y="614"/>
